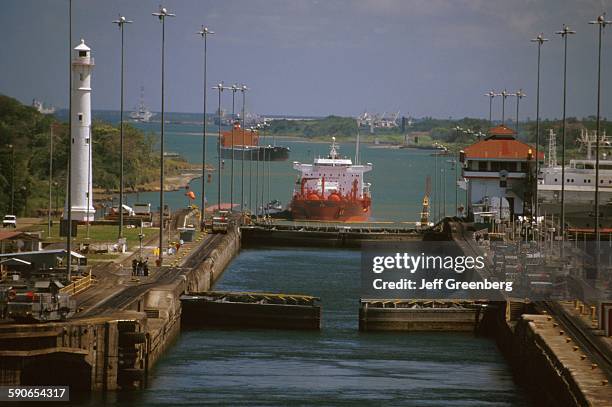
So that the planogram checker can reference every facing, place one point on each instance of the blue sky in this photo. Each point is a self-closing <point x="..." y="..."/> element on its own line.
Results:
<point x="308" y="57"/>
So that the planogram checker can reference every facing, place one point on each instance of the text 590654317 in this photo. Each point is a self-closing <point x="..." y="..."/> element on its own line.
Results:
<point x="34" y="393"/>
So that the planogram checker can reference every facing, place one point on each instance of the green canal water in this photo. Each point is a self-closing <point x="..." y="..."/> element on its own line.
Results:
<point x="338" y="365"/>
<point x="398" y="177"/>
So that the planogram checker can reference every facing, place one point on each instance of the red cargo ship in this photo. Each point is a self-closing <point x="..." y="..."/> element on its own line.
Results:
<point x="331" y="189"/>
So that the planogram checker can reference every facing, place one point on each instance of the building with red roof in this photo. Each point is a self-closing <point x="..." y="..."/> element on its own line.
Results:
<point x="500" y="167"/>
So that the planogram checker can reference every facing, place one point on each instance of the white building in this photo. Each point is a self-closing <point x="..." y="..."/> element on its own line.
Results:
<point x="80" y="133"/>
<point x="499" y="167"/>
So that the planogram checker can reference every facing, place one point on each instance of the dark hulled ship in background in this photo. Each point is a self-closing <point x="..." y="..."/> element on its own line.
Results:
<point x="242" y="144"/>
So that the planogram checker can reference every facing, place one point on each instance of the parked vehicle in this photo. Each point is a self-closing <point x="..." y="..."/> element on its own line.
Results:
<point x="142" y="208"/>
<point x="9" y="221"/>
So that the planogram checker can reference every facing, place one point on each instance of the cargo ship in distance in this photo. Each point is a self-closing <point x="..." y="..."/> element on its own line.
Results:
<point x="331" y="189"/>
<point x="246" y="146"/>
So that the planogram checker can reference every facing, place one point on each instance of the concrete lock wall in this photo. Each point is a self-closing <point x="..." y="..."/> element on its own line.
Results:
<point x="203" y="276"/>
<point x="535" y="365"/>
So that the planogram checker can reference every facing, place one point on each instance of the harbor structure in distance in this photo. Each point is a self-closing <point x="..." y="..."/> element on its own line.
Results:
<point x="38" y="105"/>
<point x="81" y="181"/>
<point x="331" y="189"/>
<point x="142" y="113"/>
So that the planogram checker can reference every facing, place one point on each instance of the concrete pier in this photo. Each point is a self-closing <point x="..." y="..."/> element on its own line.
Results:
<point x="251" y="310"/>
<point x="420" y="315"/>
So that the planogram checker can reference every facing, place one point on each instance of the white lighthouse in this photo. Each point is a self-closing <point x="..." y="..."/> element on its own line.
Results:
<point x="80" y="133"/>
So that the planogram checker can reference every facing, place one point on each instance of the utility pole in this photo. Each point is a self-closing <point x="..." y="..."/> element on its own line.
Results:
<point x="491" y="95"/>
<point x="220" y="88"/>
<point x="519" y="95"/>
<point x="69" y="193"/>
<point x="540" y="40"/>
<point x="120" y="23"/>
<point x="565" y="32"/>
<point x="50" y="178"/>
<point x="601" y="22"/>
<point x="243" y="89"/>
<point x="504" y="94"/>
<point x="162" y="14"/>
<point x="204" y="32"/>
<point x="234" y="88"/>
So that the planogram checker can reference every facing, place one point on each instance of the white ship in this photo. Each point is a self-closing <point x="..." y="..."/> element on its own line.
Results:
<point x="41" y="108"/>
<point x="142" y="113"/>
<point x="579" y="184"/>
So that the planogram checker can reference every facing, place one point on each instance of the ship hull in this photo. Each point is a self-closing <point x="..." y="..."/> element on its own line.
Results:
<point x="336" y="211"/>
<point x="256" y="153"/>
<point x="579" y="205"/>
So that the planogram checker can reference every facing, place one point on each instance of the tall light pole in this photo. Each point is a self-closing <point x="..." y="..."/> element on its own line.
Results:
<point x="263" y="173"/>
<point x="234" y="88"/>
<point x="251" y="178"/>
<point x="436" y="195"/>
<point x="519" y="95"/>
<point x="443" y="181"/>
<point x="50" y="178"/>
<point x="565" y="32"/>
<point x="251" y="174"/>
<point x="269" y="166"/>
<point x="162" y="14"/>
<point x="257" y="179"/>
<point x="121" y="21"/>
<point x="601" y="22"/>
<point x="204" y="32"/>
<point x="504" y="94"/>
<point x="69" y="192"/>
<point x="220" y="88"/>
<point x="457" y="130"/>
<point x="540" y="40"/>
<point x="12" y="147"/>
<point x="491" y="95"/>
<point x="243" y="89"/>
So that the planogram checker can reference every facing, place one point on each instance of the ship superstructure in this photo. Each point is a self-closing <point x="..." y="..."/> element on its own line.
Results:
<point x="579" y="184"/>
<point x="331" y="189"/>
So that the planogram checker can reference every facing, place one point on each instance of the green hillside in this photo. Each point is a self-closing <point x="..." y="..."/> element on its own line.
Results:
<point x="28" y="131"/>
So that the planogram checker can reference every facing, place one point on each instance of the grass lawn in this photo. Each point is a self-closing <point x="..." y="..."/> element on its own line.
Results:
<point x="97" y="233"/>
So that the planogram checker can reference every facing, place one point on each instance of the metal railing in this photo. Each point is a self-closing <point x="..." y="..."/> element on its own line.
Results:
<point x="78" y="286"/>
